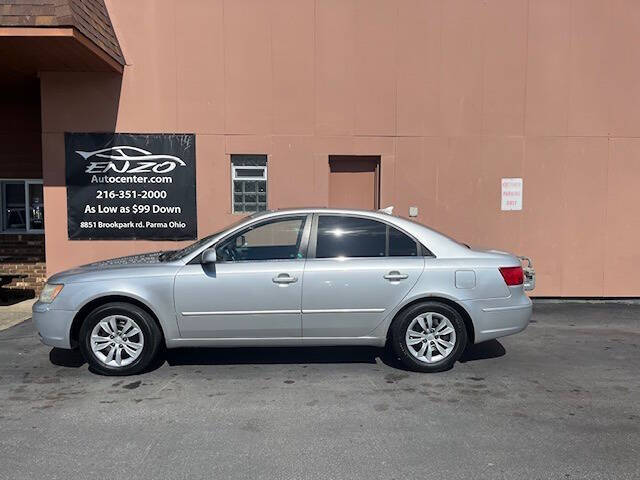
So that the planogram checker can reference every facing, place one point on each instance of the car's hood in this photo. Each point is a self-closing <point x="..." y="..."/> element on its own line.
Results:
<point x="140" y="259"/>
<point x="145" y="264"/>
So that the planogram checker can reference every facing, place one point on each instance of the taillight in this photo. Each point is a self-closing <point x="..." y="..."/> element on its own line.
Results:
<point x="512" y="275"/>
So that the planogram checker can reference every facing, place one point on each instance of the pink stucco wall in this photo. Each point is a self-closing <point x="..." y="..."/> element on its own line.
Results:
<point x="454" y="95"/>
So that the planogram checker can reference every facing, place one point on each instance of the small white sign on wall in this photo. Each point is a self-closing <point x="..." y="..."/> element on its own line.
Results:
<point x="511" y="194"/>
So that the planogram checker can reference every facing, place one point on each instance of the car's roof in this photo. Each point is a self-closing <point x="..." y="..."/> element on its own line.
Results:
<point x="327" y="210"/>
<point x="317" y="209"/>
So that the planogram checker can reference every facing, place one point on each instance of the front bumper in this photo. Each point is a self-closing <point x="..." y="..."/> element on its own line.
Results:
<point x="54" y="326"/>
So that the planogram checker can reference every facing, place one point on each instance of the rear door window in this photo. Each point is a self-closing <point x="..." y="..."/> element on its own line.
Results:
<point x="353" y="237"/>
<point x="401" y="244"/>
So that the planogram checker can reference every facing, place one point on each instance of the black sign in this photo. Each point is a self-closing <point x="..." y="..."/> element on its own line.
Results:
<point x="131" y="186"/>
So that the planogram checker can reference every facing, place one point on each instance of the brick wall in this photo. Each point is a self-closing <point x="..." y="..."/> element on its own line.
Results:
<point x="23" y="255"/>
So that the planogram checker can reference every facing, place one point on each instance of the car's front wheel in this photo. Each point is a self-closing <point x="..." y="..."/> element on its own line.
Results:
<point x="119" y="339"/>
<point x="429" y="337"/>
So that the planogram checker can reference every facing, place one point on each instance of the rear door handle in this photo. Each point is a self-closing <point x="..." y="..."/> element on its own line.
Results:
<point x="395" y="276"/>
<point x="284" y="278"/>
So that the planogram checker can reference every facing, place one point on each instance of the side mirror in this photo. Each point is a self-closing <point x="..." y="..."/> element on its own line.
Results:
<point x="209" y="256"/>
<point x="241" y="241"/>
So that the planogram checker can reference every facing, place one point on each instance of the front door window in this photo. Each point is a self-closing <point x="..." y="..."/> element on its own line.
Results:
<point x="278" y="239"/>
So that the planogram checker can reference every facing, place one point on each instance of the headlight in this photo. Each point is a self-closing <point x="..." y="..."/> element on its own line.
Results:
<point x="50" y="292"/>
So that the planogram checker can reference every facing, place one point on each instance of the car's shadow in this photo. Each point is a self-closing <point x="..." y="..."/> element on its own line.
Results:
<point x="66" y="358"/>
<point x="483" y="351"/>
<point x="271" y="355"/>
<point x="282" y="355"/>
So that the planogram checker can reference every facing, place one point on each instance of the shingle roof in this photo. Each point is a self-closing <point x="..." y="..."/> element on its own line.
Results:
<point x="89" y="17"/>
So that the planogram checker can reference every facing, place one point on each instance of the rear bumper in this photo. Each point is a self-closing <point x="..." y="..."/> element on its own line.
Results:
<point x="54" y="326"/>
<point x="496" y="318"/>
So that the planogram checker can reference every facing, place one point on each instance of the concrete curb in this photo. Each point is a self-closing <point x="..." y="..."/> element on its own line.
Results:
<point x="14" y="314"/>
<point x="585" y="301"/>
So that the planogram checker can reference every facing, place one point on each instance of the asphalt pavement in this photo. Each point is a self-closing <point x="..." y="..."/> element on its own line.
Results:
<point x="560" y="400"/>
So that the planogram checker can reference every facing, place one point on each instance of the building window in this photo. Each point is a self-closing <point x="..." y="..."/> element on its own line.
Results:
<point x="249" y="183"/>
<point x="22" y="205"/>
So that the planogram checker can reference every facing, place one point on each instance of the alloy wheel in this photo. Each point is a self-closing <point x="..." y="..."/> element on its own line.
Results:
<point x="117" y="341"/>
<point x="430" y="337"/>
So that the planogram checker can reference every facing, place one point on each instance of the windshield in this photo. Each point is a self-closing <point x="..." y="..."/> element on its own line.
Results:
<point x="189" y="249"/>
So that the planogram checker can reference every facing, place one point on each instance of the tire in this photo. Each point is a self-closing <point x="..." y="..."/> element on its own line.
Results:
<point x="131" y="350"/>
<point x="443" y="318"/>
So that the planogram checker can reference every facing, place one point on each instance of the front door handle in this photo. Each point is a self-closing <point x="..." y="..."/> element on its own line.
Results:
<point x="395" y="276"/>
<point x="284" y="278"/>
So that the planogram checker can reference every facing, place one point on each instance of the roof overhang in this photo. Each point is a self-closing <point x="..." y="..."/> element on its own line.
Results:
<point x="28" y="50"/>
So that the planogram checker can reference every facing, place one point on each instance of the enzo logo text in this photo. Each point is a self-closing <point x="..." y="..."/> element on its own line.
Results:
<point x="123" y="159"/>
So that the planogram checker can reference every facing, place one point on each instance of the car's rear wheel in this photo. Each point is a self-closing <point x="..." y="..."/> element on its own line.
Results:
<point x="429" y="337"/>
<point x="119" y="339"/>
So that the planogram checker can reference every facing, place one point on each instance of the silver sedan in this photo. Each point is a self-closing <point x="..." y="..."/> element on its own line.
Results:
<point x="289" y="278"/>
